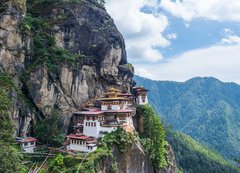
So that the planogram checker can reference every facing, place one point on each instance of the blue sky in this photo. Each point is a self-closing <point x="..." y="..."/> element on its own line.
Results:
<point x="178" y="40"/>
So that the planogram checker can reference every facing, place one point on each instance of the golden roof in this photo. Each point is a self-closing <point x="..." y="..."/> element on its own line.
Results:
<point x="89" y="104"/>
<point x="114" y="90"/>
<point x="113" y="98"/>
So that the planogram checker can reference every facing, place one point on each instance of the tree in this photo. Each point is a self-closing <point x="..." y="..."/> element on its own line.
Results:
<point x="49" y="131"/>
<point x="9" y="159"/>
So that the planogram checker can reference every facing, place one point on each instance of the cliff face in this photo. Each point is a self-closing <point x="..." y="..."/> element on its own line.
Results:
<point x="132" y="160"/>
<point x="82" y="28"/>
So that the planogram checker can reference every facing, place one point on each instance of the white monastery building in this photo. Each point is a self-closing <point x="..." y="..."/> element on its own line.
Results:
<point x="115" y="110"/>
<point x="28" y="144"/>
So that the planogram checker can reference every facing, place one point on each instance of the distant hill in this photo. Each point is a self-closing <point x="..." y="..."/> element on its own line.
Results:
<point x="204" y="108"/>
<point x="193" y="157"/>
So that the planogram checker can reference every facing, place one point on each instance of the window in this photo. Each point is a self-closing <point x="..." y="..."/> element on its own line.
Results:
<point x="32" y="143"/>
<point x="86" y="123"/>
<point x="25" y="143"/>
<point x="94" y="124"/>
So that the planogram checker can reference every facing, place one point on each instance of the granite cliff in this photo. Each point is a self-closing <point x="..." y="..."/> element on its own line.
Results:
<point x="82" y="28"/>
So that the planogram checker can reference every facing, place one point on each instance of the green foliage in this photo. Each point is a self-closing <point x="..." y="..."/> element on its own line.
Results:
<point x="114" y="167"/>
<point x="6" y="81"/>
<point x="196" y="158"/>
<point x="204" y="108"/>
<point x="153" y="136"/>
<point x="49" y="130"/>
<point x="9" y="158"/>
<point x="45" y="50"/>
<point x="118" y="138"/>
<point x="57" y="164"/>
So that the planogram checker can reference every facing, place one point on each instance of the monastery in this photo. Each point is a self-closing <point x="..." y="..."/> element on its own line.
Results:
<point x="112" y="111"/>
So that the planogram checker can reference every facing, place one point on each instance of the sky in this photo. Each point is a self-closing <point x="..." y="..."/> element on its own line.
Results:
<point x="180" y="39"/>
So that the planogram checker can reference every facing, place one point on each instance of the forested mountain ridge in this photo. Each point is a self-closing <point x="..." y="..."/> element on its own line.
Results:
<point x="204" y="108"/>
<point x="193" y="157"/>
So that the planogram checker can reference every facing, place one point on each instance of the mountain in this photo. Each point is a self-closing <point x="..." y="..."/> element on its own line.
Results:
<point x="193" y="157"/>
<point x="204" y="108"/>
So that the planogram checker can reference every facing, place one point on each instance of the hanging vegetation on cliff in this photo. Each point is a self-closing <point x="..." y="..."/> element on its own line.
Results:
<point x="9" y="158"/>
<point x="153" y="136"/>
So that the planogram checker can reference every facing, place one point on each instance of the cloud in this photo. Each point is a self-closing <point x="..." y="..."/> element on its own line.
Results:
<point x="220" y="10"/>
<point x="230" y="38"/>
<point x="220" y="61"/>
<point x="142" y="31"/>
<point x="172" y="36"/>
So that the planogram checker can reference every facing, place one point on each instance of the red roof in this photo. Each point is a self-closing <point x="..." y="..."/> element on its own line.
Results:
<point x="91" y="109"/>
<point x="118" y="111"/>
<point x="125" y="110"/>
<point x="89" y="112"/>
<point x="77" y="136"/>
<point x="141" y="88"/>
<point x="30" y="139"/>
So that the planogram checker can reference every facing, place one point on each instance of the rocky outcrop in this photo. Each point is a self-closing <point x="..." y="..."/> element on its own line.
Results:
<point x="132" y="160"/>
<point x="12" y="58"/>
<point x="82" y="28"/>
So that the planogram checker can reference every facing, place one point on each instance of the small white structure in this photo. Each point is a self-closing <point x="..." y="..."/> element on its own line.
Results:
<point x="141" y="95"/>
<point x="28" y="144"/>
<point x="80" y="142"/>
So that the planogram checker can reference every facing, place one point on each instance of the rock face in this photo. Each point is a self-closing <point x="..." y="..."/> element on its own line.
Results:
<point x="82" y="28"/>
<point x="133" y="160"/>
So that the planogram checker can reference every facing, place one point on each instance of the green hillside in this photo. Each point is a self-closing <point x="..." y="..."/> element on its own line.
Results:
<point x="204" y="108"/>
<point x="193" y="157"/>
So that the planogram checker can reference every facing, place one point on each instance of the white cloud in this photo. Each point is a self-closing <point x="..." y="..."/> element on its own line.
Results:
<point x="142" y="31"/>
<point x="230" y="38"/>
<point x="220" y="61"/>
<point x="187" y="25"/>
<point x="172" y="36"/>
<point x="211" y="9"/>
